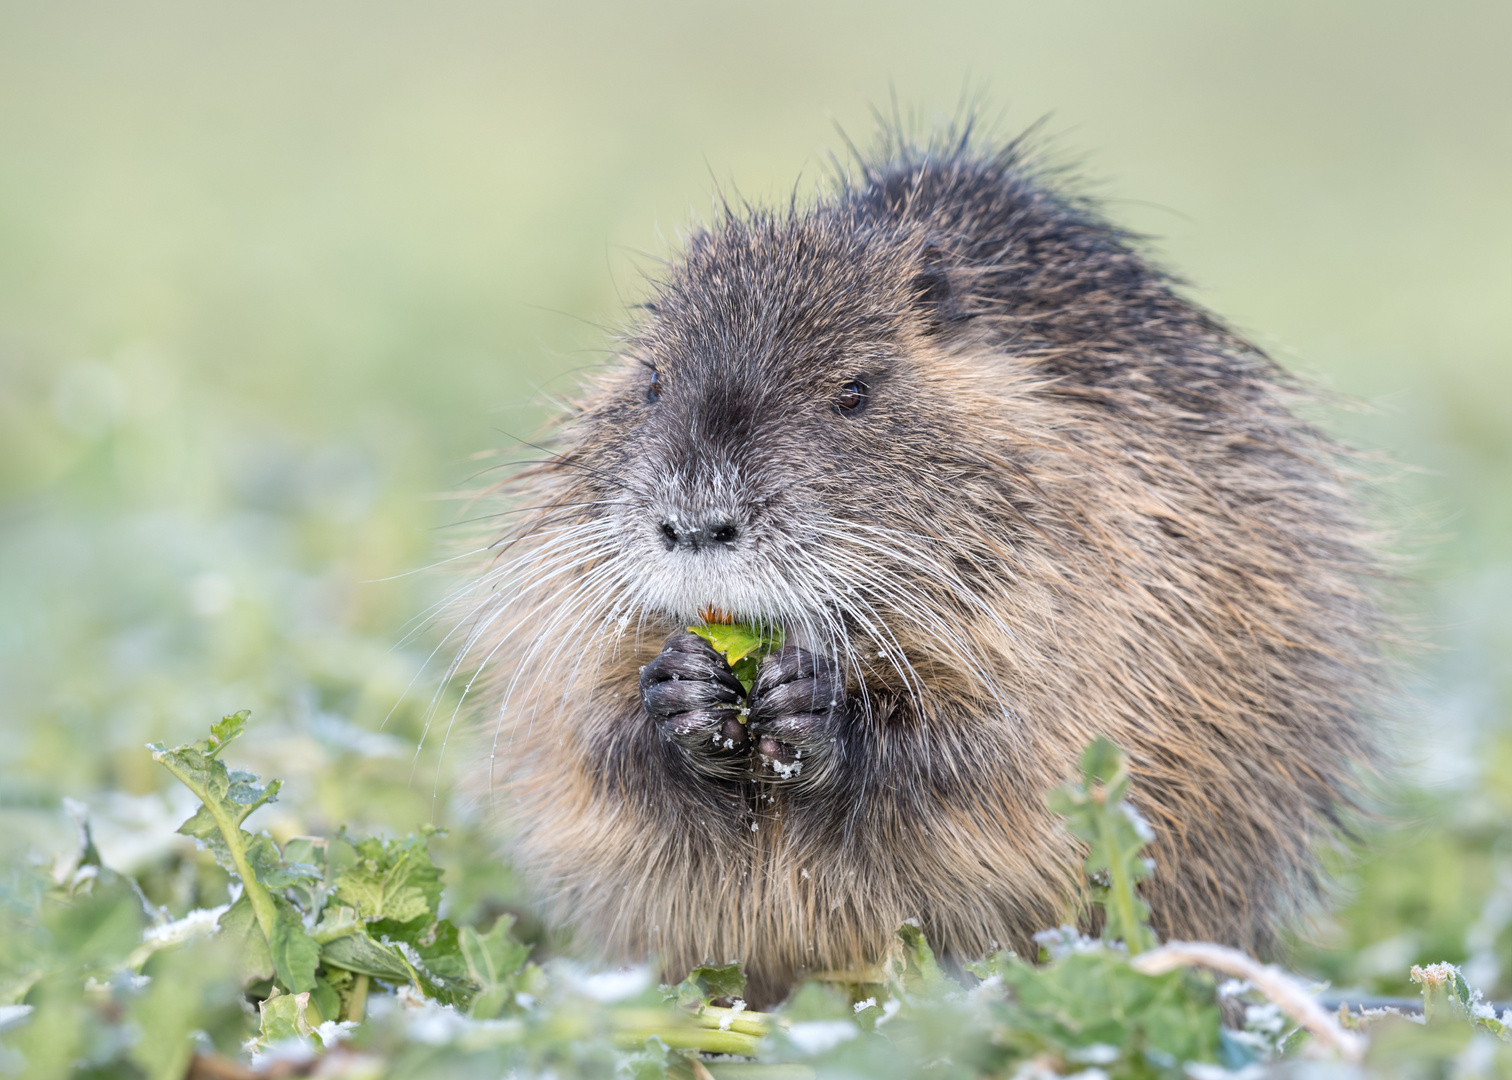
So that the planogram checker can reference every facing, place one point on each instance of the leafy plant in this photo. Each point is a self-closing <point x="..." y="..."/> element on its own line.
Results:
<point x="318" y="917"/>
<point x="336" y="946"/>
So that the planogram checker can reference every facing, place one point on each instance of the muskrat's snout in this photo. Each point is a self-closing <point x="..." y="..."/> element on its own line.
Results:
<point x="692" y="541"/>
<point x="714" y="531"/>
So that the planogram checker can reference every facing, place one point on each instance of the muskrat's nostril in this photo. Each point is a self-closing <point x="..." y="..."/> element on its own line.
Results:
<point x="717" y="531"/>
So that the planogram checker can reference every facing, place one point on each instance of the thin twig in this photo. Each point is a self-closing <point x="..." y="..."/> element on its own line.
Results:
<point x="1282" y="989"/>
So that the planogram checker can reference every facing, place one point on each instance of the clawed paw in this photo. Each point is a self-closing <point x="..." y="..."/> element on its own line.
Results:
<point x="793" y="705"/>
<point x="777" y="732"/>
<point x="696" y="701"/>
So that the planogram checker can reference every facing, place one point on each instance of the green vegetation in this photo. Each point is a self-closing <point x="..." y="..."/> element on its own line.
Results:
<point x="742" y="645"/>
<point x="1097" y="814"/>
<point x="335" y="949"/>
<point x="268" y="278"/>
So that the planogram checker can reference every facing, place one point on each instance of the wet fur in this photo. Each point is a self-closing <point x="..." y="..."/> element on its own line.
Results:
<point x="1073" y="504"/>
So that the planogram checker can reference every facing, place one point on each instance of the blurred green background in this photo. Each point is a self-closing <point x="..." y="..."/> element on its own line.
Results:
<point x="271" y="275"/>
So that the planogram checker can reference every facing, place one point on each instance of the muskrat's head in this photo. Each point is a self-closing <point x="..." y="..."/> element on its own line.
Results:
<point x="830" y="419"/>
<point x="775" y="433"/>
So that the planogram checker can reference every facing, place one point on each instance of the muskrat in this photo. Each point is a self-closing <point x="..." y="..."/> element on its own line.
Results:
<point x="1004" y="488"/>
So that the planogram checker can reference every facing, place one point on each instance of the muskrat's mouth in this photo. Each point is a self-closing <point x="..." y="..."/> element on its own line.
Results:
<point x="711" y="614"/>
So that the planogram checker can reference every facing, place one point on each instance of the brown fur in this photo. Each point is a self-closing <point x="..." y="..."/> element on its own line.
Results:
<point x="1074" y="504"/>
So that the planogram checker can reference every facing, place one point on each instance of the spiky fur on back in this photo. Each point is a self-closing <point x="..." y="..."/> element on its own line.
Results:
<point x="1074" y="504"/>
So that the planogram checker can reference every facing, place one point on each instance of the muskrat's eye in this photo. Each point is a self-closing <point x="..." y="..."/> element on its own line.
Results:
<point x="852" y="396"/>
<point x="653" y="388"/>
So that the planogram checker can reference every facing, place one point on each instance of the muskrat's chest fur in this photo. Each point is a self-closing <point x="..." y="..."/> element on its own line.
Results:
<point x="1004" y="490"/>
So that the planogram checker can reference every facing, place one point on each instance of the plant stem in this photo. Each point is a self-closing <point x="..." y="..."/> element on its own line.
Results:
<point x="632" y="1027"/>
<point x="230" y="830"/>
<point x="358" y="1003"/>
<point x="862" y="976"/>
<point x="751" y="1023"/>
<point x="1125" y="922"/>
<point x="1123" y="899"/>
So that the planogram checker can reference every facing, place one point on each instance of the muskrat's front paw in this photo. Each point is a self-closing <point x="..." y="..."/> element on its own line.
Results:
<point x="694" y="700"/>
<point x="793" y="705"/>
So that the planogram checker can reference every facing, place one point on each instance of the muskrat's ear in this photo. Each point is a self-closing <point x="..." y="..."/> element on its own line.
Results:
<point x="934" y="295"/>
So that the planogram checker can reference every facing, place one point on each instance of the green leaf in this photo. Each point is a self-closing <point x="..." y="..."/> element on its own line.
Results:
<point x="720" y="980"/>
<point x="742" y="645"/>
<point x="911" y="963"/>
<point x="440" y="950"/>
<point x="335" y="922"/>
<point x="325" y="999"/>
<point x="493" y="958"/>
<point x="731" y="640"/>
<point x="192" y="989"/>
<point x="51" y="1041"/>
<point x="306" y="849"/>
<point x="239" y="923"/>
<point x="243" y="791"/>
<point x="360" y="953"/>
<point x="815" y="1001"/>
<point x="707" y="982"/>
<point x="201" y="825"/>
<point x="284" y="1017"/>
<point x="489" y="1003"/>
<point x="1094" y="998"/>
<point x="295" y="954"/>
<point x="650" y="1061"/>
<point x="228" y="793"/>
<point x="994" y="964"/>
<point x="193" y="769"/>
<point x="377" y="896"/>
<point x="98" y="928"/>
<point x="226" y="729"/>
<point x="270" y="866"/>
<point x="496" y="964"/>
<point x="393" y="882"/>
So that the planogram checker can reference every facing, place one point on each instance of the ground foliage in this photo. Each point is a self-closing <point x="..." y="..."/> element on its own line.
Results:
<point x="332" y="957"/>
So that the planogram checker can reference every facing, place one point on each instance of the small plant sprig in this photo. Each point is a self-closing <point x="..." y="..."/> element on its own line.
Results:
<point x="1447" y="996"/>
<point x="1097" y="811"/>
<point x="227" y="797"/>
<point x="325" y="917"/>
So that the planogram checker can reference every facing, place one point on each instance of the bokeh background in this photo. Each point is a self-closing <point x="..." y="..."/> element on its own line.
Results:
<point x="273" y="276"/>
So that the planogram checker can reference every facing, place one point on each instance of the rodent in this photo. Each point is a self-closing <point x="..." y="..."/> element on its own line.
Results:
<point x="1005" y="488"/>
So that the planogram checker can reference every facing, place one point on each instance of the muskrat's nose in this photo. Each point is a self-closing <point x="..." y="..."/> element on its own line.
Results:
<point x="714" y="532"/>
